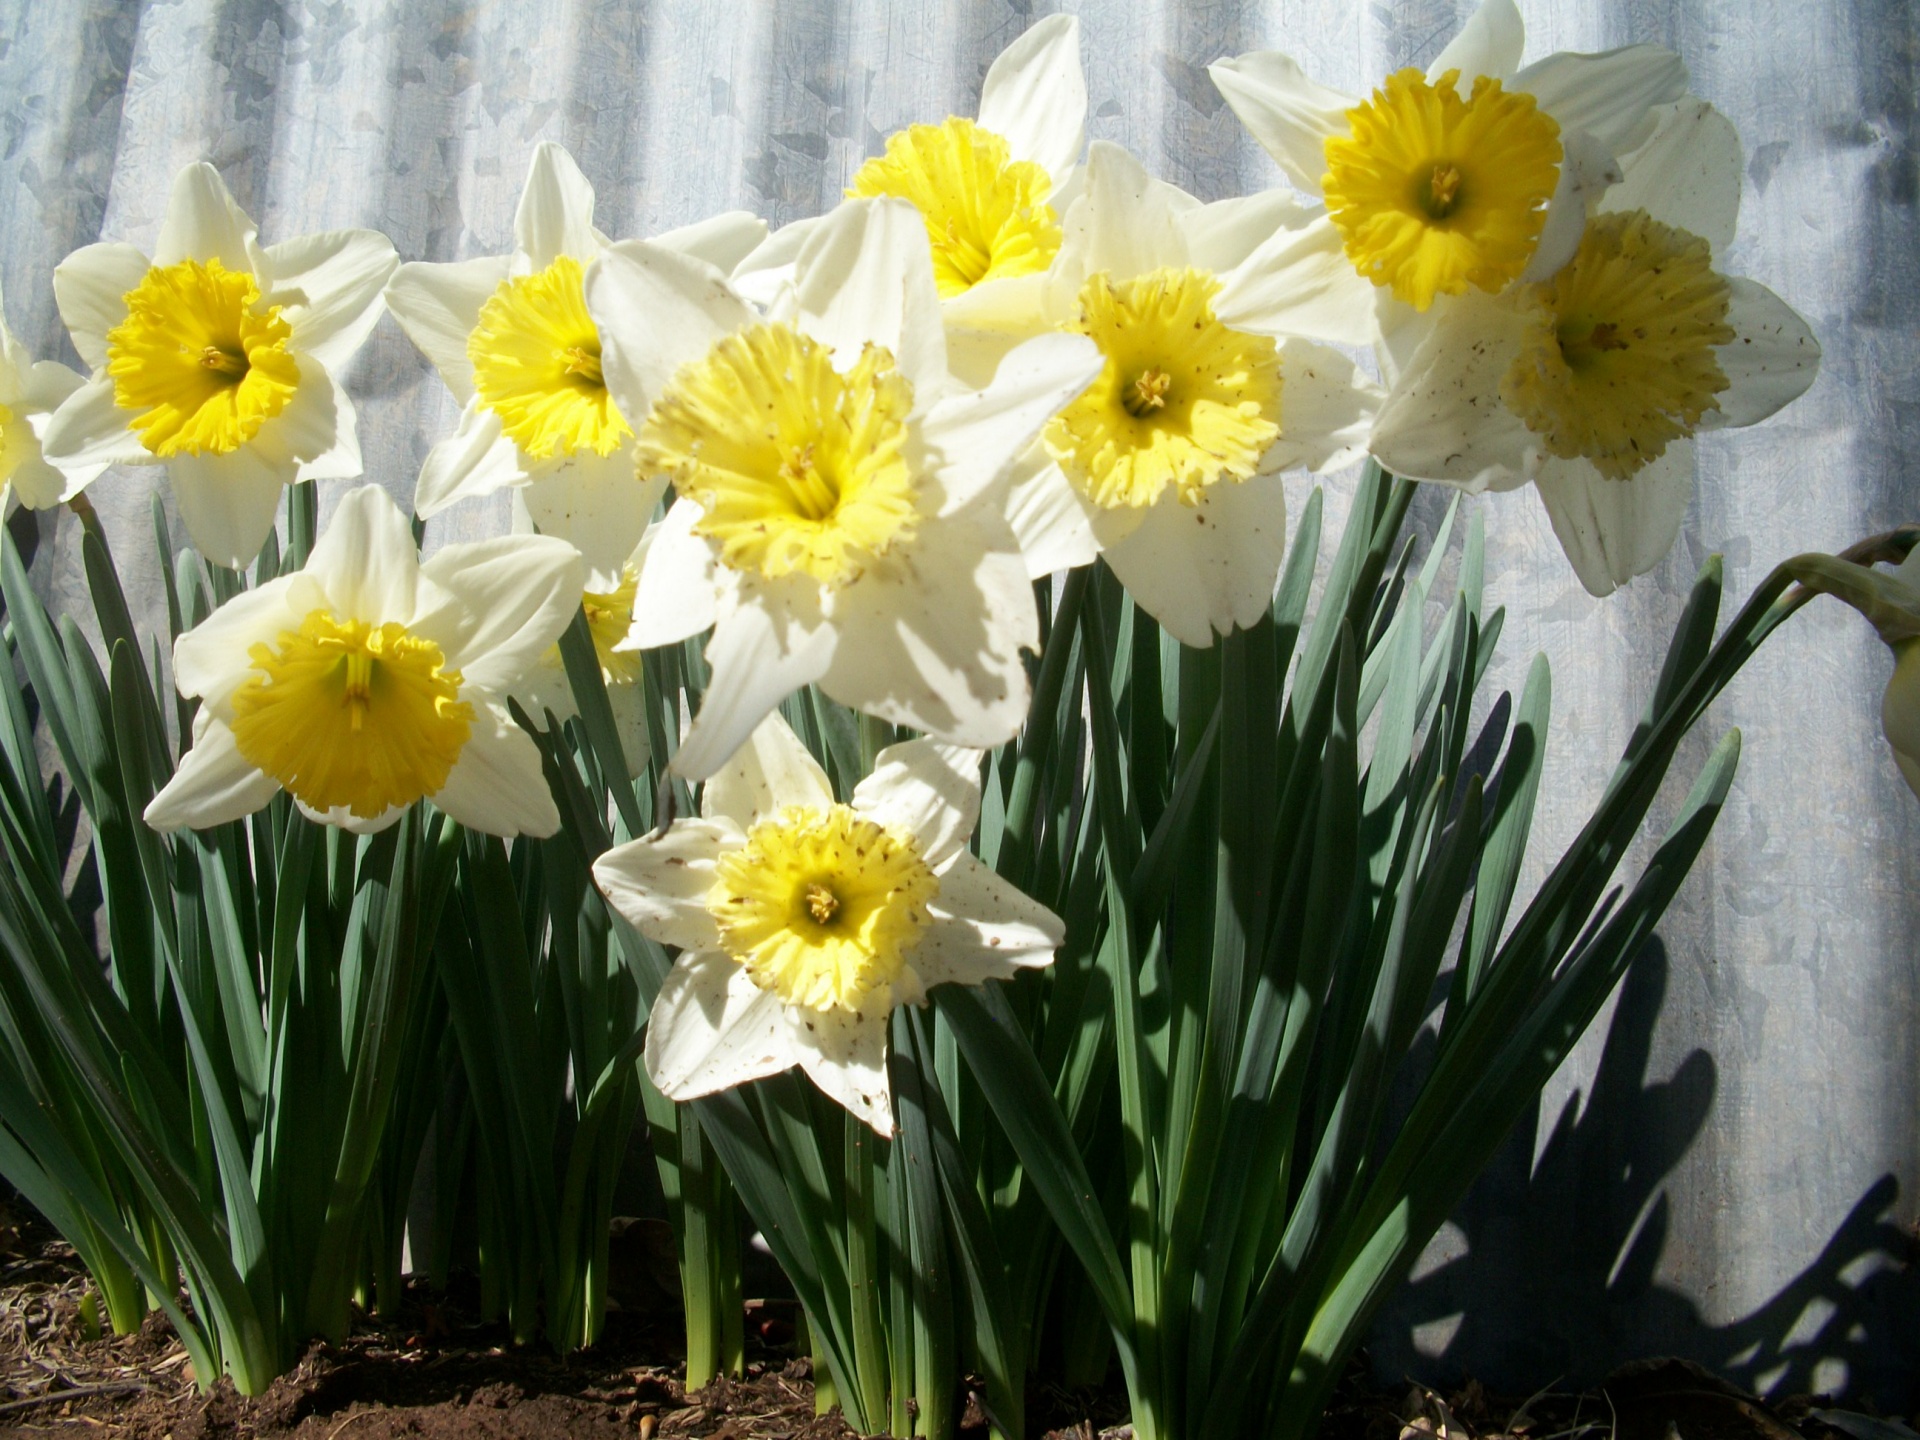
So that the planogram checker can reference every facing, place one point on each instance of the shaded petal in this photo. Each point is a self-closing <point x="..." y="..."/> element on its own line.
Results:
<point x="40" y="486"/>
<point x="1035" y="95"/>
<point x="330" y="285"/>
<point x="983" y="928"/>
<point x="214" y="784"/>
<point x="1300" y="282"/>
<point x="768" y="270"/>
<point x="598" y="505"/>
<point x="1211" y="567"/>
<point x="846" y="1056"/>
<point x="438" y="306"/>
<point x="1608" y="95"/>
<point x="318" y="428"/>
<point x="1005" y="309"/>
<point x="1772" y="360"/>
<point x="865" y="276"/>
<point x="203" y="223"/>
<point x="929" y="790"/>
<point x="756" y="659"/>
<point x="1222" y="235"/>
<point x="366" y="562"/>
<point x="1125" y="223"/>
<point x="341" y="817"/>
<point x="1488" y="44"/>
<point x="45" y="386"/>
<point x="1687" y="174"/>
<point x="974" y="438"/>
<point x="477" y="459"/>
<point x="1290" y="115"/>
<point x="712" y="1028"/>
<point x="656" y="309"/>
<point x="1587" y="168"/>
<point x="1443" y="418"/>
<point x="555" y="217"/>
<point x="89" y="429"/>
<point x="1326" y="410"/>
<point x="229" y="502"/>
<point x="1613" y="530"/>
<point x="931" y="638"/>
<point x="677" y="589"/>
<point x="771" y="771"/>
<point x="1051" y="521"/>
<point x="660" y="885"/>
<point x="497" y="786"/>
<point x="211" y="660"/>
<point x="90" y="286"/>
<point x="722" y="240"/>
<point x="505" y="603"/>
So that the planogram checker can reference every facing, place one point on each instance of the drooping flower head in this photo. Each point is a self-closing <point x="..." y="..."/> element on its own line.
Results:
<point x="1463" y="178"/>
<point x="1169" y="463"/>
<point x="218" y="358"/>
<point x="1592" y="381"/>
<point x="804" y="922"/>
<point x="30" y="391"/>
<point x="839" y="515"/>
<point x="511" y="337"/>
<point x="368" y="681"/>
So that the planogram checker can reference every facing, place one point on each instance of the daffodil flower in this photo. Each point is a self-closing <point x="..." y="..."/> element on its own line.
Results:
<point x="218" y="357"/>
<point x="1592" y="381"/>
<point x="1169" y="464"/>
<point x="839" y="517"/>
<point x="369" y="680"/>
<point x="803" y="922"/>
<point x="1460" y="180"/>
<point x="990" y="191"/>
<point x="511" y="338"/>
<point x="30" y="391"/>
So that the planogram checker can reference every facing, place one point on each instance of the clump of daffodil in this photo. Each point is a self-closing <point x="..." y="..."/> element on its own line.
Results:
<point x="803" y="922"/>
<point x="1591" y="381"/>
<point x="30" y="391"/>
<point x="1461" y="179"/>
<point x="989" y="191"/>
<point x="511" y="337"/>
<point x="1169" y="463"/>
<point x="840" y="512"/>
<point x="368" y="680"/>
<point x="218" y="358"/>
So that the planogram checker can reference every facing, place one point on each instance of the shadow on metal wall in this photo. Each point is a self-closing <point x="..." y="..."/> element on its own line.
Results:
<point x="1558" y="1282"/>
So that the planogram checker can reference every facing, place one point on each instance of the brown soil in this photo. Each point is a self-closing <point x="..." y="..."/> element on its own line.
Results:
<point x="436" y="1374"/>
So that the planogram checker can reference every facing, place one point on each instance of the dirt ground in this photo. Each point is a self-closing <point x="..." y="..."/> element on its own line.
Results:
<point x="436" y="1374"/>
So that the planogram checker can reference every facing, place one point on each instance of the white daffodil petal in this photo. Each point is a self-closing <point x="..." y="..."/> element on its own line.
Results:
<point x="1050" y="519"/>
<point x="660" y="885"/>
<point x="1607" y="95"/>
<point x="45" y="386"/>
<point x="330" y="286"/>
<point x="1207" y="568"/>
<point x="927" y="789"/>
<point x="675" y="596"/>
<point x="722" y="240"/>
<point x="342" y="817"/>
<point x="497" y="786"/>
<point x="932" y="639"/>
<point x="1123" y="223"/>
<point x="90" y="286"/>
<point x="1004" y="308"/>
<point x="756" y="659"/>
<point x="1613" y="530"/>
<point x="318" y="428"/>
<point x="1687" y="174"/>
<point x="507" y="601"/>
<point x="1587" y="168"/>
<point x="656" y="309"/>
<point x="712" y="1028"/>
<point x="975" y="438"/>
<point x="1443" y="419"/>
<point x="1290" y="115"/>
<point x="214" y="784"/>
<point x="477" y="459"/>
<point x="1222" y="235"/>
<point x="768" y="773"/>
<point x="207" y="660"/>
<point x="90" y="429"/>
<point x="983" y="928"/>
<point x="1035" y="95"/>
<point x="1772" y="360"/>
<point x="1300" y="282"/>
<point x="865" y="276"/>
<point x="38" y="485"/>
<point x="203" y="223"/>
<point x="1488" y="44"/>
<point x="846" y="1056"/>
<point x="555" y="217"/>
<point x="366" y="562"/>
<point x="598" y="505"/>
<point x="229" y="502"/>
<point x="1326" y="410"/>
<point x="438" y="306"/>
<point x="767" y="272"/>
